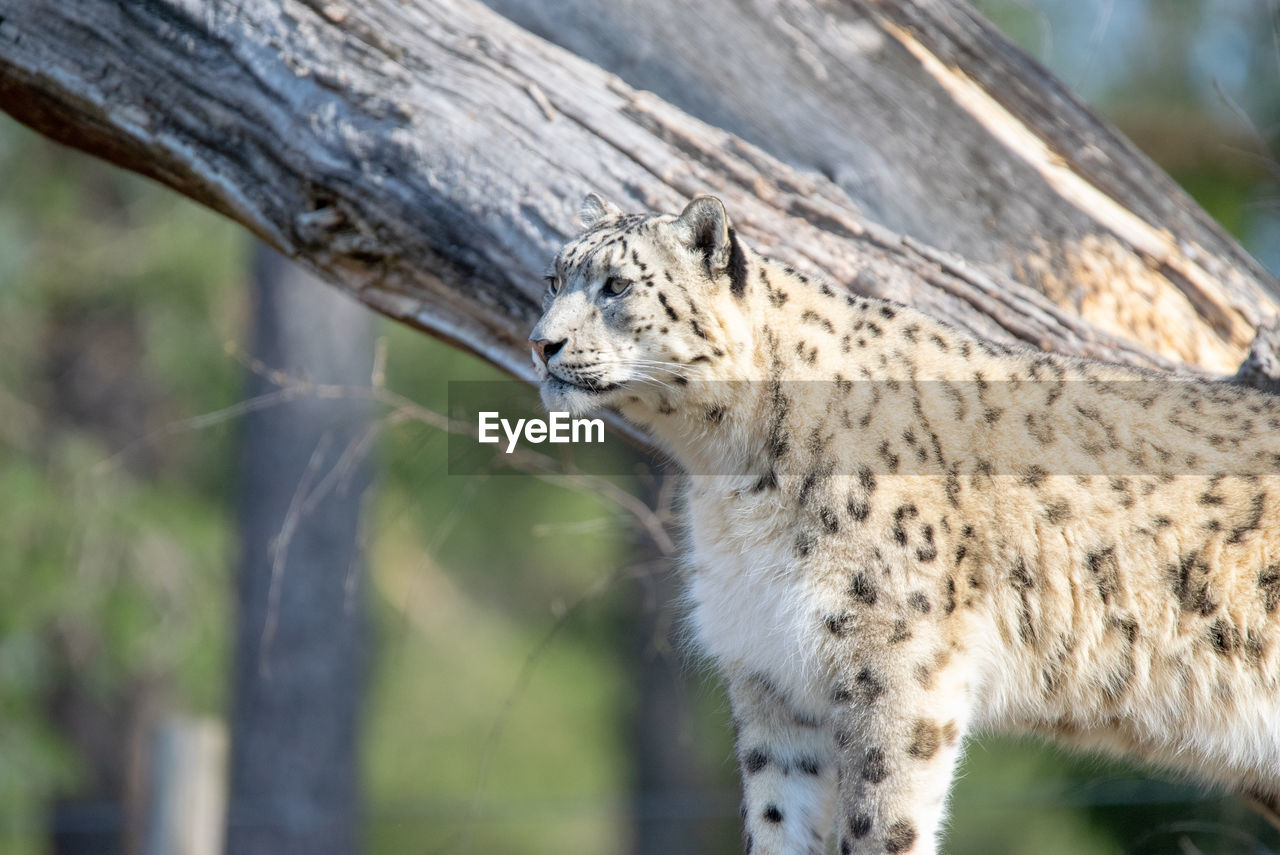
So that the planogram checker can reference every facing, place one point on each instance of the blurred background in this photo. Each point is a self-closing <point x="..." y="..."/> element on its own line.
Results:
<point x="222" y="497"/>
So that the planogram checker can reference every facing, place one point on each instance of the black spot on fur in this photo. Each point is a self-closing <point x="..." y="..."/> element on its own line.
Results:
<point x="872" y="686"/>
<point x="1020" y="579"/>
<point x="1127" y="626"/>
<point x="859" y="825"/>
<point x="952" y="485"/>
<point x="1269" y="584"/>
<point x="839" y="624"/>
<point x="1256" y="507"/>
<point x="875" y="769"/>
<point x="671" y="313"/>
<point x="891" y="460"/>
<point x="737" y="267"/>
<point x="928" y="551"/>
<point x="780" y="405"/>
<point x="809" y="765"/>
<point x="772" y="814"/>
<point x="1224" y="636"/>
<point x="715" y="414"/>
<point x="809" y="316"/>
<point x="925" y="739"/>
<point x="1057" y="511"/>
<point x="902" y="837"/>
<point x="949" y="596"/>
<point x="830" y="524"/>
<point x="1188" y="581"/>
<point x="1106" y="572"/>
<point x="1033" y="475"/>
<point x="804" y="544"/>
<point x="767" y="481"/>
<point x="805" y="719"/>
<point x="863" y="590"/>
<point x="858" y="509"/>
<point x="810" y="481"/>
<point x="887" y="313"/>
<point x="900" y="515"/>
<point x="755" y="761"/>
<point x="919" y="602"/>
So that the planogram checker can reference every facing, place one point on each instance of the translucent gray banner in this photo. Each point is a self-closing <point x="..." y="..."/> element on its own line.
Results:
<point x="1033" y="429"/>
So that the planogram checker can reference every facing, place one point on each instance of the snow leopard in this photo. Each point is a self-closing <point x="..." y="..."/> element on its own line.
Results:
<point x="900" y="534"/>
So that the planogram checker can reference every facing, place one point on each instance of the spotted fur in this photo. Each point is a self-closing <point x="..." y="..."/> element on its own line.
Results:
<point x="900" y="534"/>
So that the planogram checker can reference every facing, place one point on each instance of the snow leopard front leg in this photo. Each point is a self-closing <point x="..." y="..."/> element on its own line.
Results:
<point x="788" y="769"/>
<point x="898" y="728"/>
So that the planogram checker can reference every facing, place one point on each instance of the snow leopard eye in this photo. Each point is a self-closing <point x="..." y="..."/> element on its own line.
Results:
<point x="553" y="284"/>
<point x="616" y="286"/>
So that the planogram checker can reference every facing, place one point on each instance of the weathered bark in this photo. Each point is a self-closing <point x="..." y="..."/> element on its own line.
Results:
<point x="429" y="157"/>
<point x="940" y="129"/>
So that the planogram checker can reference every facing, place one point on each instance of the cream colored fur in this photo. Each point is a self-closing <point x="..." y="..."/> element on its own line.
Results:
<point x="899" y="534"/>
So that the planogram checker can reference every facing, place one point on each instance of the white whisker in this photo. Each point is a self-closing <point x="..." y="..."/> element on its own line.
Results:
<point x="644" y="378"/>
<point x="654" y="363"/>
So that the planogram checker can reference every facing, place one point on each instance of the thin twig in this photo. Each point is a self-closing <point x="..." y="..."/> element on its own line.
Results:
<point x="279" y="551"/>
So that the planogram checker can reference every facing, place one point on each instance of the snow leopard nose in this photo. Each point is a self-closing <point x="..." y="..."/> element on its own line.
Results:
<point x="546" y="348"/>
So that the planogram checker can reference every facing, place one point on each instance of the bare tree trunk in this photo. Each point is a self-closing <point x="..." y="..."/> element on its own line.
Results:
<point x="668" y="766"/>
<point x="428" y="158"/>
<point x="299" y="674"/>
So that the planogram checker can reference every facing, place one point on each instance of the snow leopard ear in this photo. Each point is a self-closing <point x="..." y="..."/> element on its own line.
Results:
<point x="704" y="228"/>
<point x="596" y="209"/>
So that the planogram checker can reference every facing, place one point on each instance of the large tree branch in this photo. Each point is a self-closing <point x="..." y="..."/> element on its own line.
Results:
<point x="428" y="159"/>
<point x="942" y="130"/>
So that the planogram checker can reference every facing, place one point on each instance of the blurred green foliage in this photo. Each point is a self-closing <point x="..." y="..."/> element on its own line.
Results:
<point x="121" y="309"/>
<point x="499" y="715"/>
<point x="115" y="298"/>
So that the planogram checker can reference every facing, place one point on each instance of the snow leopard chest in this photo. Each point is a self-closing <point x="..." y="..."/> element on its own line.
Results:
<point x="754" y="607"/>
